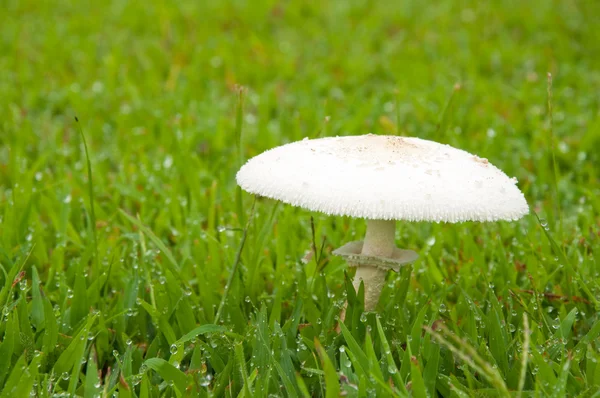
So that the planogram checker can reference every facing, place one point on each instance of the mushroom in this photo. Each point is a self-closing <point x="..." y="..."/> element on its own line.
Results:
<point x="383" y="179"/>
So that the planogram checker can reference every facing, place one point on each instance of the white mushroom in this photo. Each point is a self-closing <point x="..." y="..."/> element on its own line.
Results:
<point x="383" y="179"/>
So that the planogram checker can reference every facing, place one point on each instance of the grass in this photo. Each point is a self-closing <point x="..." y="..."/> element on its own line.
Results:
<point x="150" y="274"/>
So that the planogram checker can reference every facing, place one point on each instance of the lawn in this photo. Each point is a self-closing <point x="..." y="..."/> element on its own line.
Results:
<point x="133" y="266"/>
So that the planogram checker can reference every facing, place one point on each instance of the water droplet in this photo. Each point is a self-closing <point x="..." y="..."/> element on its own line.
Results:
<point x="173" y="349"/>
<point x="168" y="162"/>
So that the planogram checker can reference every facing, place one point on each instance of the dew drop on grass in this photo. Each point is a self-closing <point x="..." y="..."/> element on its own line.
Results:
<point x="511" y="327"/>
<point x="168" y="162"/>
<point x="205" y="381"/>
<point x="363" y="317"/>
<point x="442" y="308"/>
<point x="136" y="379"/>
<point x="65" y="376"/>
<point x="392" y="369"/>
<point x="173" y="349"/>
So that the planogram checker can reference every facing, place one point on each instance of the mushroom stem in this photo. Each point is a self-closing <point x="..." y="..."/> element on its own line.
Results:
<point x="373" y="279"/>
<point x="379" y="239"/>
<point x="379" y="242"/>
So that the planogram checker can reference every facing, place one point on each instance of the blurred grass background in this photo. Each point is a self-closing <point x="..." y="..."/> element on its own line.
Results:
<point x="108" y="305"/>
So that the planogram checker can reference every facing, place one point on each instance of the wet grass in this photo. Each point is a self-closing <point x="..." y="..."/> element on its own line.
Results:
<point x="113" y="278"/>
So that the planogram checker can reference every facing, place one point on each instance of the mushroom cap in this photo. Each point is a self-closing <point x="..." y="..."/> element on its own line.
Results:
<point x="386" y="178"/>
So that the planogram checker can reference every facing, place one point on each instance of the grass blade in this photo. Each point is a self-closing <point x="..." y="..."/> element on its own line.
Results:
<point x="204" y="329"/>
<point x="90" y="193"/>
<point x="332" y="384"/>
<point x="470" y="356"/>
<point x="169" y="373"/>
<point x="235" y="265"/>
<point x="447" y="113"/>
<point x="172" y="263"/>
<point x="555" y="171"/>
<point x="525" y="355"/>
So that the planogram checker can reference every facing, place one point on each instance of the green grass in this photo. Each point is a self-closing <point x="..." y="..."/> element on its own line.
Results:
<point x="123" y="294"/>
